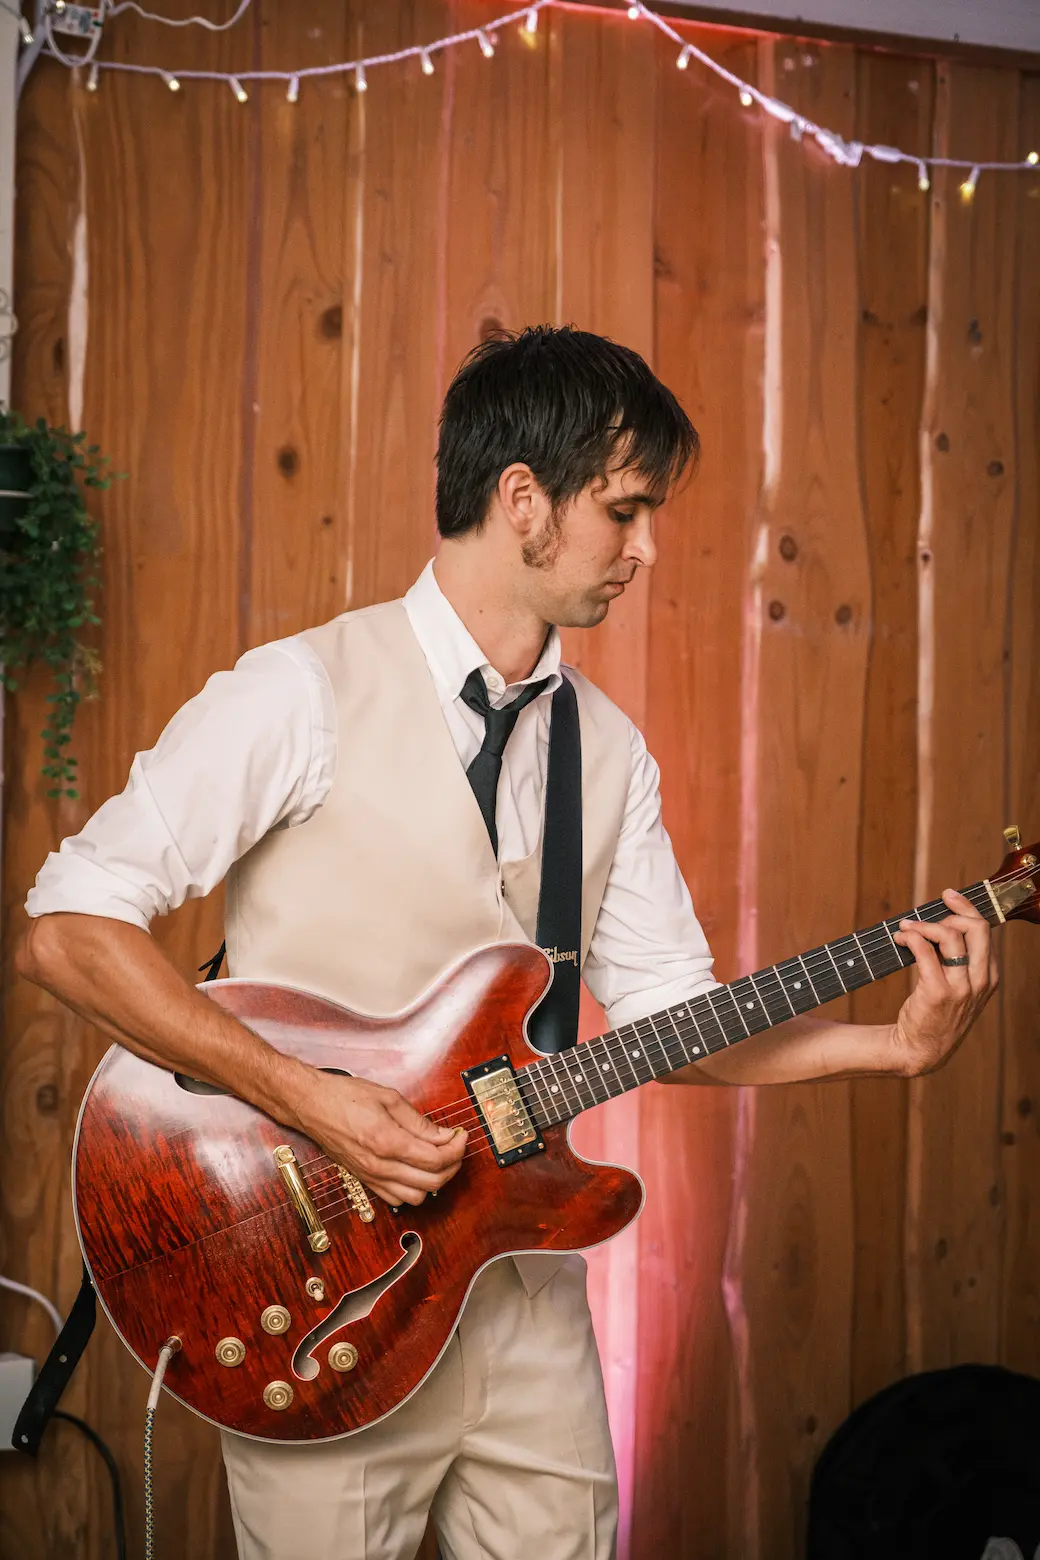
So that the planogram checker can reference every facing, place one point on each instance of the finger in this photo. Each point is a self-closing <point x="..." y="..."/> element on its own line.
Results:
<point x="406" y="1115"/>
<point x="929" y="971"/>
<point x="948" y="937"/>
<point x="392" y="1141"/>
<point x="962" y="905"/>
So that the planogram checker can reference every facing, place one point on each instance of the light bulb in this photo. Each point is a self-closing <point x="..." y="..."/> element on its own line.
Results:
<point x="27" y="36"/>
<point x="171" y="81"/>
<point x="1032" y="158"/>
<point x="531" y="24"/>
<point x="92" y="79"/>
<point x="360" y="79"/>
<point x="238" y="89"/>
<point x="968" y="187"/>
<point x="923" y="181"/>
<point x="634" y="12"/>
<point x="684" y="58"/>
<point x="746" y="100"/>
<point x="293" y="90"/>
<point x="426" y="62"/>
<point x="487" y="48"/>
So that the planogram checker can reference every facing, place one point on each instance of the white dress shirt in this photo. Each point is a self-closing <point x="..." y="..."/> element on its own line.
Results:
<point x="256" y="750"/>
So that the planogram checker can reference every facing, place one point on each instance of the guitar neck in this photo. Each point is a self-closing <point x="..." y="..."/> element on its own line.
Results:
<point x="559" y="1087"/>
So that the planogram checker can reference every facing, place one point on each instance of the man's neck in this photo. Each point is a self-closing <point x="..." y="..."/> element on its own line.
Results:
<point x="511" y="636"/>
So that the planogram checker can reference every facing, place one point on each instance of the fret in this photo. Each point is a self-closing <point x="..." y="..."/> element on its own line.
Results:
<point x="551" y="1107"/>
<point x="676" y="1041"/>
<point x="562" y="1081"/>
<point x="822" y="975"/>
<point x="775" y="1000"/>
<point x="702" y="1018"/>
<point x="797" y="987"/>
<point x="579" y="1080"/>
<point x="906" y="958"/>
<point x="749" y="1004"/>
<point x="655" y="1041"/>
<point x="605" y="1072"/>
<point x="724" y="1006"/>
<point x="827" y="951"/>
<point x="635" y="1042"/>
<point x="876" y="952"/>
<point x="853" y="969"/>
<point x="622" y="1053"/>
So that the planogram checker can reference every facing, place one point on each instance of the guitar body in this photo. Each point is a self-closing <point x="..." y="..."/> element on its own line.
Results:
<point x="188" y="1227"/>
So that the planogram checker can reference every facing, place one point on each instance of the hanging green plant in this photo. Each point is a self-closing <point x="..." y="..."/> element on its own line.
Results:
<point x="49" y="553"/>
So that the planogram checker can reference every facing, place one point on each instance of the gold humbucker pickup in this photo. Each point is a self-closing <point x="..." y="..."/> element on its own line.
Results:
<point x="503" y="1114"/>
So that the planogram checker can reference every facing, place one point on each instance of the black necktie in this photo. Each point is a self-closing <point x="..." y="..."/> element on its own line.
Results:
<point x="485" y="769"/>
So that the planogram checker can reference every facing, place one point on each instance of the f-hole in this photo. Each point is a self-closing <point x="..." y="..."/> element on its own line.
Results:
<point x="353" y="1307"/>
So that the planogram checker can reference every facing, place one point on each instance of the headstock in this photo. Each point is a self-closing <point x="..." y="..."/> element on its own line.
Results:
<point x="1016" y="886"/>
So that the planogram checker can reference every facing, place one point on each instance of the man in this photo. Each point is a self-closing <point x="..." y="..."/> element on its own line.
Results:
<point x="326" y="776"/>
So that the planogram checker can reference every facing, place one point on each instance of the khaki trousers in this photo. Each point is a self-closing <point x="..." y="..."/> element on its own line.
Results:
<point x="506" y="1444"/>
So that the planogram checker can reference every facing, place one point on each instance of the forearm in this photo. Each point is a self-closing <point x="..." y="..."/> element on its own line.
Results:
<point x="114" y="975"/>
<point x="800" y="1050"/>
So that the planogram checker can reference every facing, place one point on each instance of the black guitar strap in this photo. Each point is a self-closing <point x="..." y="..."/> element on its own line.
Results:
<point x="46" y="1390"/>
<point x="554" y="1023"/>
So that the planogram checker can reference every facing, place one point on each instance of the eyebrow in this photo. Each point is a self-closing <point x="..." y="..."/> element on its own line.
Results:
<point x="636" y="498"/>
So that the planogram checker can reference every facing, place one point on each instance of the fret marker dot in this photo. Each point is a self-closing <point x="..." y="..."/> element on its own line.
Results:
<point x="579" y="1077"/>
<point x="797" y="985"/>
<point x="696" y="1050"/>
<point x="850" y="962"/>
<point x="635" y="1053"/>
<point x="555" y="1089"/>
<point x="606" y="1066"/>
<point x="749" y="1006"/>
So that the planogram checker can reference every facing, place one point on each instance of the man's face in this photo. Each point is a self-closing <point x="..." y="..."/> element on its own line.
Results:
<point x="579" y="563"/>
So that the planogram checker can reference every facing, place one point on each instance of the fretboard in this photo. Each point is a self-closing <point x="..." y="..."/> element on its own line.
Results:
<point x="556" y="1088"/>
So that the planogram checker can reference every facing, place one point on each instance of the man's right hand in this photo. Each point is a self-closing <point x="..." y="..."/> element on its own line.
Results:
<point x="373" y="1132"/>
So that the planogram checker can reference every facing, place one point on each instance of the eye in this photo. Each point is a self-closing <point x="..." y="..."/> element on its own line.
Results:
<point x="621" y="515"/>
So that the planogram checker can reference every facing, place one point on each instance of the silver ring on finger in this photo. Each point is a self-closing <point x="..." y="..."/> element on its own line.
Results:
<point x="961" y="959"/>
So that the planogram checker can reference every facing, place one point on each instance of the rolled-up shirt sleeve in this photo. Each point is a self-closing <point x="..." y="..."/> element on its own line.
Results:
<point x="254" y="750"/>
<point x="648" y="949"/>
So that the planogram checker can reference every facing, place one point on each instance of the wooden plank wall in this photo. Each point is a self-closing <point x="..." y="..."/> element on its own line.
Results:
<point x="256" y="310"/>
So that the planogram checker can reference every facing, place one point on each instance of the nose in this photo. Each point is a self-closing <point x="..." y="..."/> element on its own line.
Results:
<point x="640" y="547"/>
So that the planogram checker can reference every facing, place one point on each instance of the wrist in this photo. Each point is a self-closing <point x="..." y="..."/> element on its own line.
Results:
<point x="286" y="1089"/>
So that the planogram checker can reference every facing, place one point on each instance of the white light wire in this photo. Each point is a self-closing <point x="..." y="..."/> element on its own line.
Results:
<point x="847" y="153"/>
<point x="169" y="21"/>
<point x="34" y="1294"/>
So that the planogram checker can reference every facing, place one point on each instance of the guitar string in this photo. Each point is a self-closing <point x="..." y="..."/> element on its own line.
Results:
<point x="464" y="1109"/>
<point x="456" y="1112"/>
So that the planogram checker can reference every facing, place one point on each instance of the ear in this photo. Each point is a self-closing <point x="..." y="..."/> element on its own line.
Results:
<point x="522" y="501"/>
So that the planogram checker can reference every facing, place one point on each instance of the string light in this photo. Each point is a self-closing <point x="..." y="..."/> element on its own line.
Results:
<point x="847" y="153"/>
<point x="26" y="30"/>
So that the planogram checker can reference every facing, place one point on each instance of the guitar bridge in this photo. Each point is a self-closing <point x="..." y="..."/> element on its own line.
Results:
<point x="503" y="1114"/>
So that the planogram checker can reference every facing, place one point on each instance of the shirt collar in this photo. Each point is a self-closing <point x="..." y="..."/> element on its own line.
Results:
<point x="453" y="653"/>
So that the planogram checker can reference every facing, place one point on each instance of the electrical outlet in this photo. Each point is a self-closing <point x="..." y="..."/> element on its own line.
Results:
<point x="16" y="1377"/>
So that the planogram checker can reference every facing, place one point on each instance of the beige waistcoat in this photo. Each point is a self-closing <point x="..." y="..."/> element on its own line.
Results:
<point x="393" y="878"/>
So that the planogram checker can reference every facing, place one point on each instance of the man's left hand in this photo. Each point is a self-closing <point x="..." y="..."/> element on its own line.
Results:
<point x="947" y="998"/>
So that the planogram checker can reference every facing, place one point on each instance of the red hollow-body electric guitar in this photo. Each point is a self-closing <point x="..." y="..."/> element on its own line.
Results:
<point x="304" y="1309"/>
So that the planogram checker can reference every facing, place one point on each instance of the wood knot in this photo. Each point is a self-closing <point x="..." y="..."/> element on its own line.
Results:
<point x="288" y="461"/>
<point x="974" y="333"/>
<point x="776" y="610"/>
<point x="1007" y="1138"/>
<point x="326" y="519"/>
<point x="788" y="548"/>
<point x="811" y="1424"/>
<point x="941" y="1248"/>
<point x="1025" y="1106"/>
<point x="331" y="322"/>
<point x="843" y="615"/>
<point x="58" y="354"/>
<point x="942" y="442"/>
<point x="47" y="1099"/>
<point x="995" y="468"/>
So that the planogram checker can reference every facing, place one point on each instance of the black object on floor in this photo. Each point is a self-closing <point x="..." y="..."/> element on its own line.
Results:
<point x="930" y="1469"/>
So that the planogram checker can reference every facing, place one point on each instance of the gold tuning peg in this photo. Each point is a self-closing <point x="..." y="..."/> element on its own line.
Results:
<point x="1012" y="836"/>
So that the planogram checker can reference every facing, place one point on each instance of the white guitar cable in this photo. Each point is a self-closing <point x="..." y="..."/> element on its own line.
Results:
<point x="166" y="1353"/>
